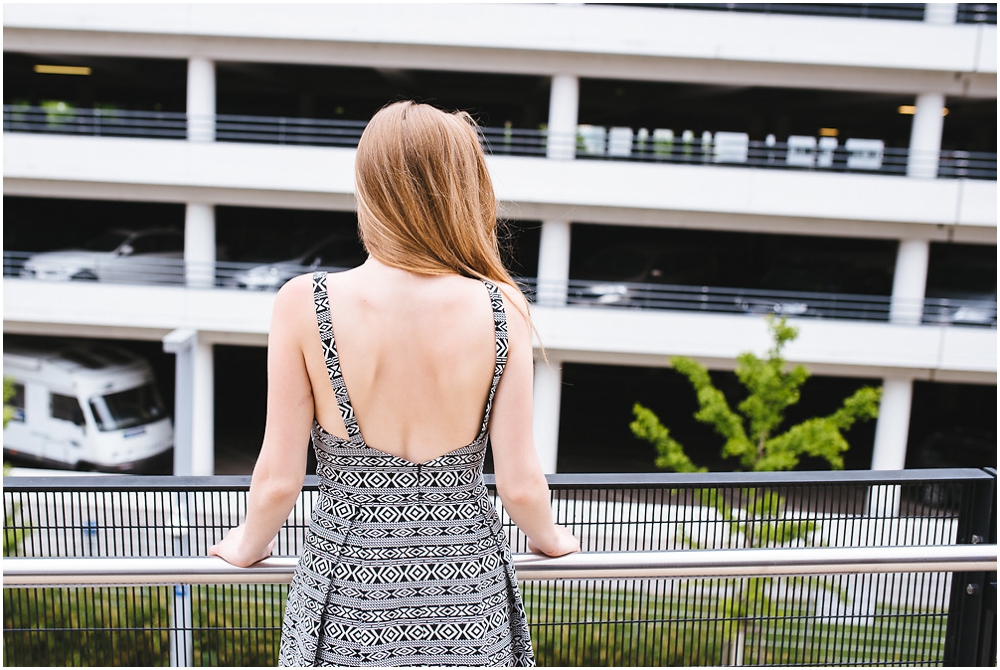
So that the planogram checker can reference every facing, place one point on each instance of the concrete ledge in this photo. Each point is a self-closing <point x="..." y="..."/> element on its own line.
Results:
<point x="610" y="336"/>
<point x="732" y="198"/>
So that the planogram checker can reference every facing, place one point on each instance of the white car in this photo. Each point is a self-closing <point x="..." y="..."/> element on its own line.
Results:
<point x="336" y="252"/>
<point x="119" y="255"/>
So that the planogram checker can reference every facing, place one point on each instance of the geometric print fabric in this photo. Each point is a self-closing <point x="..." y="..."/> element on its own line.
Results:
<point x="404" y="564"/>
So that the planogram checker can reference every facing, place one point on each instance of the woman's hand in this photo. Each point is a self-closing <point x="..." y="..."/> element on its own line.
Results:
<point x="233" y="549"/>
<point x="564" y="542"/>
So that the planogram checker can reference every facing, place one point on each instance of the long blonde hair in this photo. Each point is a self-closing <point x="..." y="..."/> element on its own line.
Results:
<point x="425" y="198"/>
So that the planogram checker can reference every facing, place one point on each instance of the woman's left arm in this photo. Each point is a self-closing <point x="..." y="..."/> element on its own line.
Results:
<point x="281" y="466"/>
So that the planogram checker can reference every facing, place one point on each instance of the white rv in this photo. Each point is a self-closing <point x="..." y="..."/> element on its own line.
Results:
<point x="84" y="406"/>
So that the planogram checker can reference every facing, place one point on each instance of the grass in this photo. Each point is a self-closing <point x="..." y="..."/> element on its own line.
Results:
<point x="131" y="626"/>
<point x="662" y="623"/>
<point x="596" y="623"/>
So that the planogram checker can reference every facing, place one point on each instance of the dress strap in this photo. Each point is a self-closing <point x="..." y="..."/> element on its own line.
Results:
<point x="322" y="303"/>
<point x="500" y="327"/>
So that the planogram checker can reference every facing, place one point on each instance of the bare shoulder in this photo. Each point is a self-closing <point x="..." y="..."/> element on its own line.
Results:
<point x="294" y="290"/>
<point x="297" y="288"/>
<point x="293" y="305"/>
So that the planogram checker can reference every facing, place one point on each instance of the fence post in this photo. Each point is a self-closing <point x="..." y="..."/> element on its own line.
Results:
<point x="181" y="619"/>
<point x="971" y="634"/>
<point x="987" y="652"/>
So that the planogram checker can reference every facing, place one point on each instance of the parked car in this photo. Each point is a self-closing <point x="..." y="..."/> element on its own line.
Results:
<point x="964" y="308"/>
<point x="338" y="251"/>
<point x="674" y="278"/>
<point x="962" y="291"/>
<point x="84" y="406"/>
<point x="781" y="306"/>
<point x="626" y="276"/>
<point x="118" y="255"/>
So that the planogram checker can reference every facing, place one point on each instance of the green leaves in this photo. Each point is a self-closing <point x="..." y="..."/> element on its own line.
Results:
<point x="670" y="454"/>
<point x="750" y="433"/>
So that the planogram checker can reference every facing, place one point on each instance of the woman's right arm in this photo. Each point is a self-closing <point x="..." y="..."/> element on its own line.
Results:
<point x="519" y="478"/>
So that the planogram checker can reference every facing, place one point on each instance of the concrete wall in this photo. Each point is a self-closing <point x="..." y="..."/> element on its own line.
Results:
<point x="628" y="42"/>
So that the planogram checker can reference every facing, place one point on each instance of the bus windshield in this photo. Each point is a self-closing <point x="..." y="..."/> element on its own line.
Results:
<point x="127" y="409"/>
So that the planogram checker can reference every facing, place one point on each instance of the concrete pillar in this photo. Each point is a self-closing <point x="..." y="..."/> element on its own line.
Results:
<point x="941" y="12"/>
<point x="199" y="245"/>
<point x="909" y="282"/>
<point x="564" y="109"/>
<point x="201" y="99"/>
<point x="203" y="414"/>
<point x="891" y="433"/>
<point x="925" y="136"/>
<point x="553" y="263"/>
<point x="194" y="402"/>
<point x="545" y="412"/>
<point x="893" y="426"/>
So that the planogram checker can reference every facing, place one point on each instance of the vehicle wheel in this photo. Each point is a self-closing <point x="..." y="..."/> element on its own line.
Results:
<point x="84" y="275"/>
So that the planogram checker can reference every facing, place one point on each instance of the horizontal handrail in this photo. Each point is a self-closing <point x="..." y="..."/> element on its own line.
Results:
<point x="967" y="12"/>
<point x="41" y="572"/>
<point x="80" y="482"/>
<point x="844" y="10"/>
<point x="589" y="142"/>
<point x="546" y="293"/>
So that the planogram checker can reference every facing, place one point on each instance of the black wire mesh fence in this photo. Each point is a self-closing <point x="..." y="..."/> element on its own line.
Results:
<point x="911" y="618"/>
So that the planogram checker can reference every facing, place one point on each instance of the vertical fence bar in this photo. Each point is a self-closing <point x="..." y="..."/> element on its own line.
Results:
<point x="181" y="634"/>
<point x="966" y="609"/>
<point x="987" y="655"/>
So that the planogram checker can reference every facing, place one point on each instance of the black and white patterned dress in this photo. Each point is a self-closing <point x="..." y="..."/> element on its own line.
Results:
<point x="404" y="563"/>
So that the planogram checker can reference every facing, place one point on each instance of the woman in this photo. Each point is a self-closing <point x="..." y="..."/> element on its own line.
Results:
<point x="405" y="562"/>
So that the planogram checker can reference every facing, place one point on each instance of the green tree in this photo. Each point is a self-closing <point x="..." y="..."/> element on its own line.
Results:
<point x="751" y="434"/>
<point x="752" y="437"/>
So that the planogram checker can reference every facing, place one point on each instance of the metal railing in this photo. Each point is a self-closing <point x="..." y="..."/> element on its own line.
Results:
<point x="977" y="12"/>
<point x="65" y="120"/>
<point x="730" y="300"/>
<point x="574" y="293"/>
<point x="282" y="130"/>
<point x="591" y="142"/>
<point x="44" y="572"/>
<point x="887" y="568"/>
<point x="967" y="12"/>
<point x="862" y="10"/>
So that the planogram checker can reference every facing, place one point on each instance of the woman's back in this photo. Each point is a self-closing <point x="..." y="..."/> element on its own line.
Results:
<point x="401" y="371"/>
<point x="405" y="562"/>
<point x="417" y="354"/>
